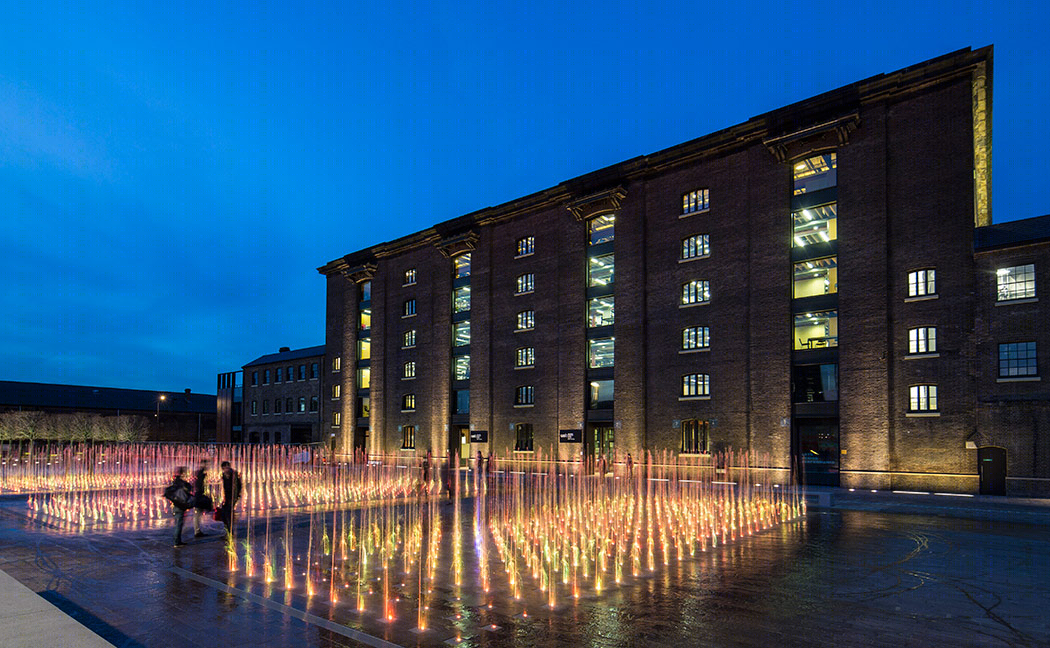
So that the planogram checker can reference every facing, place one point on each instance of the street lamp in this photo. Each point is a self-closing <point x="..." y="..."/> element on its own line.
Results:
<point x="162" y="397"/>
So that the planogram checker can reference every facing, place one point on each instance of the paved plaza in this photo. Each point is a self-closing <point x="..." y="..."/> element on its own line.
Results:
<point x="834" y="578"/>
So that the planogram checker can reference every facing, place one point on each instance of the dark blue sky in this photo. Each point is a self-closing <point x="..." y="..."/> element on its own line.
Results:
<point x="171" y="176"/>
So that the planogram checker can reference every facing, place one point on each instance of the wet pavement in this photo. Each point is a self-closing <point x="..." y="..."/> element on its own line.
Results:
<point x="835" y="578"/>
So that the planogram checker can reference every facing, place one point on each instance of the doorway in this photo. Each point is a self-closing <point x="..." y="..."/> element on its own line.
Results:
<point x="991" y="466"/>
<point x="459" y="442"/>
<point x="598" y="442"/>
<point x="817" y="444"/>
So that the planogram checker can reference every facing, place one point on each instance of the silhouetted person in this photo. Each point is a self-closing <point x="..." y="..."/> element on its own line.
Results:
<point x="201" y="500"/>
<point x="630" y="466"/>
<point x="179" y="495"/>
<point x="231" y="492"/>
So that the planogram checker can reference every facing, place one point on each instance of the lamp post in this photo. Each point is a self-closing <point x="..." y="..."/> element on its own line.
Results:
<point x="162" y="397"/>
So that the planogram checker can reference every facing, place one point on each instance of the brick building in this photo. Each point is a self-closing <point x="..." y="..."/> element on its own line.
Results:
<point x="689" y="300"/>
<point x="282" y="395"/>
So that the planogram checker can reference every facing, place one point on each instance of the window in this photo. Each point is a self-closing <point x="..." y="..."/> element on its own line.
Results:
<point x="816" y="330"/>
<point x="408" y="403"/>
<point x="815" y="225"/>
<point x="364" y="348"/>
<point x="922" y="340"/>
<point x="696" y="385"/>
<point x="1017" y="359"/>
<point x="526" y="246"/>
<point x="815" y="383"/>
<point x="525" y="284"/>
<point x="922" y="398"/>
<point x="696" y="337"/>
<point x="302" y="372"/>
<point x="366" y="291"/>
<point x="408" y="370"/>
<point x="461" y="266"/>
<point x="695" y="437"/>
<point x="602" y="228"/>
<point x="410" y="339"/>
<point x="461" y="299"/>
<point x="255" y="377"/>
<point x="266" y="406"/>
<point x="816" y="277"/>
<point x="364" y="407"/>
<point x="922" y="283"/>
<point x="461" y="367"/>
<point x="696" y="246"/>
<point x="461" y="333"/>
<point x="408" y="437"/>
<point x="277" y="406"/>
<point x="600" y="352"/>
<point x="1017" y="282"/>
<point x="302" y="403"/>
<point x="600" y="394"/>
<point x="255" y="408"/>
<point x="364" y="377"/>
<point x="289" y="405"/>
<point x="461" y="401"/>
<point x="600" y="311"/>
<point x="336" y="363"/>
<point x="601" y="270"/>
<point x="816" y="173"/>
<point x="523" y="437"/>
<point x="408" y="309"/>
<point x="335" y="391"/>
<point x="525" y="357"/>
<point x="313" y="403"/>
<point x="278" y="374"/>
<point x="290" y="374"/>
<point x="524" y="395"/>
<point x="365" y="319"/>
<point x="410" y="277"/>
<point x="337" y="419"/>
<point x="526" y="320"/>
<point x="266" y="377"/>
<point x="314" y="370"/>
<point x="697" y="291"/>
<point x="695" y="201"/>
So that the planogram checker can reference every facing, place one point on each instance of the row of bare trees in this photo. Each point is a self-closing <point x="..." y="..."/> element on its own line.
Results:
<point x="79" y="426"/>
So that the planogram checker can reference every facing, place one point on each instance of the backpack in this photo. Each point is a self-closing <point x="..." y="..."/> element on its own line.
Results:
<point x="178" y="495"/>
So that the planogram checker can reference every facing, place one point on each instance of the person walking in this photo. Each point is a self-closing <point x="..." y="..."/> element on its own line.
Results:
<point x="231" y="492"/>
<point x="179" y="495"/>
<point x="202" y="502"/>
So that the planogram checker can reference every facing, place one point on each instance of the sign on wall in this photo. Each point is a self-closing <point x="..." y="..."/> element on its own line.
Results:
<point x="571" y="436"/>
<point x="479" y="436"/>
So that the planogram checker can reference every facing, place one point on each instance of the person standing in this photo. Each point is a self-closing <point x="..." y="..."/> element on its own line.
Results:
<point x="231" y="492"/>
<point x="179" y="495"/>
<point x="201" y="500"/>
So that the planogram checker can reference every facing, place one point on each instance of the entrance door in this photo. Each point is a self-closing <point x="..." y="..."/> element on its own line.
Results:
<point x="991" y="466"/>
<point x="598" y="442"/>
<point x="459" y="442"/>
<point x="360" y="440"/>
<point x="818" y="451"/>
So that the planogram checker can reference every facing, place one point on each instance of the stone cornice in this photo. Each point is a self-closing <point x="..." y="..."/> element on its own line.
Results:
<point x="597" y="203"/>
<point x="828" y="134"/>
<point x="359" y="273"/>
<point x="452" y="245"/>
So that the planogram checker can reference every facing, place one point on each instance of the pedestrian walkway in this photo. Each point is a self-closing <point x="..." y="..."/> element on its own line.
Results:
<point x="971" y="507"/>
<point x="28" y="621"/>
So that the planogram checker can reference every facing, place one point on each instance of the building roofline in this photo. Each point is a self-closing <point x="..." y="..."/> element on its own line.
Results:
<point x="284" y="356"/>
<point x="1018" y="233"/>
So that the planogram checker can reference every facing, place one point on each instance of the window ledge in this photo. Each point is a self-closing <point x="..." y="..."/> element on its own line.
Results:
<point x="698" y="211"/>
<point x="525" y="330"/>
<point x="524" y="452"/>
<point x="407" y="411"/>
<point x="522" y="256"/>
<point x="527" y="292"/>
<point x="691" y="398"/>
<point x="407" y="449"/>
<point x="1010" y="379"/>
<point x="531" y="366"/>
<point x="409" y="378"/>
<point x="702" y="256"/>
<point x="920" y="356"/>
<point x="921" y="298"/>
<point x="703" y="303"/>
<point x="694" y="454"/>
<point x="1011" y="302"/>
<point x="703" y="350"/>
<point x="406" y="285"/>
<point x="408" y="347"/>
<point x="922" y="414"/>
<point x="408" y="316"/>
<point x="524" y="406"/>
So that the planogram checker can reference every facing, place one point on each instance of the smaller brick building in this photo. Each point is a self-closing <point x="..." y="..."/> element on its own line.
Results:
<point x="282" y="397"/>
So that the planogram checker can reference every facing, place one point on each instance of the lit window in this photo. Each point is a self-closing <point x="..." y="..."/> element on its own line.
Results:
<point x="364" y="407"/>
<point x="524" y="395"/>
<point x="696" y="292"/>
<point x="365" y="288"/>
<point x="816" y="330"/>
<point x="461" y="266"/>
<point x="335" y="391"/>
<point x="461" y="401"/>
<point x="461" y="333"/>
<point x="695" y="201"/>
<point x="601" y="270"/>
<point x="336" y="363"/>
<point x="816" y="277"/>
<point x="364" y="377"/>
<point x="600" y="311"/>
<point x="364" y="319"/>
<point x="364" y="348"/>
<point x="602" y="228"/>
<point x="1017" y="359"/>
<point x="302" y="403"/>
<point x="526" y="320"/>
<point x="313" y="404"/>
<point x="696" y="337"/>
<point x="600" y="352"/>
<point x="600" y="395"/>
<point x="815" y="225"/>
<point x="255" y="408"/>
<point x="337" y="419"/>
<point x="410" y="338"/>
<point x="408" y="403"/>
<point x="525" y="357"/>
<point x="408" y="309"/>
<point x="922" y="340"/>
<point x="408" y="437"/>
<point x="816" y="173"/>
<point x="461" y="367"/>
<point x="526" y="283"/>
<point x="922" y="283"/>
<point x="696" y="246"/>
<point x="696" y="385"/>
<point x="410" y="277"/>
<point x="694" y="436"/>
<point x="523" y="438"/>
<point x="408" y="370"/>
<point x="526" y="246"/>
<point x="1017" y="282"/>
<point x="461" y="299"/>
<point x="922" y="398"/>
